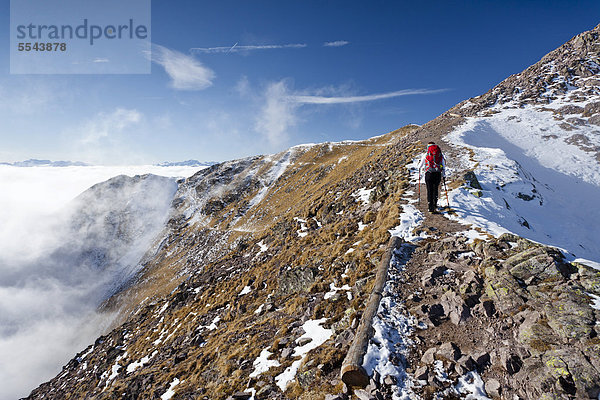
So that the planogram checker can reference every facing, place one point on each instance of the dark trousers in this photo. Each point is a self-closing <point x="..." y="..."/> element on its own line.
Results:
<point x="432" y="181"/>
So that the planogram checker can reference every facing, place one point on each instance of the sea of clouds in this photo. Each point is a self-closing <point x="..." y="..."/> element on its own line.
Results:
<point x="48" y="303"/>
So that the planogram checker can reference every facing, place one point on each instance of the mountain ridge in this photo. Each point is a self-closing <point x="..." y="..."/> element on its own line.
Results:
<point x="264" y="255"/>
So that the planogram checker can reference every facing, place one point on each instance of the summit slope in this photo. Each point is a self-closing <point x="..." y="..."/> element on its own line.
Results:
<point x="256" y="284"/>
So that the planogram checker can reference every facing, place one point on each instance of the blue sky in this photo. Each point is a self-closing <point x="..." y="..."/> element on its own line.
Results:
<point x="302" y="71"/>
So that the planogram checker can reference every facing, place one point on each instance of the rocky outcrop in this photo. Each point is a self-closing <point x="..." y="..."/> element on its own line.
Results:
<point x="513" y="310"/>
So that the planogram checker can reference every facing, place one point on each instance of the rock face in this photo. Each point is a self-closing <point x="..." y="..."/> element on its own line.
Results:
<point x="528" y="327"/>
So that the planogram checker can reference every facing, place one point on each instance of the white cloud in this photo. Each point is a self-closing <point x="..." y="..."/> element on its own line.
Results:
<point x="243" y="86"/>
<point x="30" y="96"/>
<point x="277" y="114"/>
<point x="240" y="49"/>
<point x="185" y="71"/>
<point x="309" y="99"/>
<point x="280" y="104"/>
<point x="106" y="125"/>
<point x="337" y="43"/>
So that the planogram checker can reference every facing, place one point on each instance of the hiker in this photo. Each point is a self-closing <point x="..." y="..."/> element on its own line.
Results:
<point x="434" y="162"/>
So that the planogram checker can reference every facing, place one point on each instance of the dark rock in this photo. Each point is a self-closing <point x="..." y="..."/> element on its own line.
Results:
<point x="296" y="280"/>
<point x="536" y="269"/>
<point x="504" y="290"/>
<point x="283" y="342"/>
<point x="286" y="353"/>
<point x="422" y="373"/>
<point x="482" y="360"/>
<point x="465" y="364"/>
<point x="264" y="391"/>
<point x="570" y="319"/>
<point x="241" y="396"/>
<point x="511" y="362"/>
<point x="429" y="276"/>
<point x="471" y="180"/>
<point x="435" y="312"/>
<point x="304" y="340"/>
<point x="485" y="308"/>
<point x="573" y="371"/>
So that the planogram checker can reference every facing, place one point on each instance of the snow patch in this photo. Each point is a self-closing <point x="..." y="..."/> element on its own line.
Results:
<point x="262" y="363"/>
<point x="136" y="364"/>
<point x="542" y="189"/>
<point x="595" y="301"/>
<point x="245" y="290"/>
<point x="318" y="336"/>
<point x="410" y="218"/>
<point x="363" y="195"/>
<point x="170" y="392"/>
<point x="472" y="385"/>
<point x="263" y="247"/>
<point x="335" y="289"/>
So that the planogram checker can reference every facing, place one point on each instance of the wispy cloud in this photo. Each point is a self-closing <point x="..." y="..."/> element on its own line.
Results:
<point x="277" y="114"/>
<point x="337" y="43"/>
<point x="280" y="106"/>
<point x="185" y="71"/>
<point x="308" y="99"/>
<point x="112" y="137"/>
<point x="239" y="49"/>
<point x="105" y="125"/>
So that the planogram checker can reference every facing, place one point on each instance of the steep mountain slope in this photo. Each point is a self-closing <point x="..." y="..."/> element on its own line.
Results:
<point x="258" y="243"/>
<point x="71" y="263"/>
<point x="260" y="277"/>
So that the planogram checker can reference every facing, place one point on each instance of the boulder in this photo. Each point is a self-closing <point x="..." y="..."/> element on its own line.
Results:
<point x="421" y="373"/>
<point x="362" y="394"/>
<point x="536" y="269"/>
<point x="455" y="308"/>
<point x="535" y="333"/>
<point x="449" y="351"/>
<point x="493" y="388"/>
<point x="569" y="318"/>
<point x="504" y="290"/>
<point x="571" y="366"/>
<point x="429" y="356"/>
<point x="296" y="280"/>
<point x="431" y="274"/>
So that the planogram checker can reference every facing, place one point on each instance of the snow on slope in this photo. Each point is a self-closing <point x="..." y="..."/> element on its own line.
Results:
<point x="534" y="182"/>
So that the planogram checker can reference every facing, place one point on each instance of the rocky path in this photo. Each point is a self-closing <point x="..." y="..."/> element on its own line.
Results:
<point x="502" y="318"/>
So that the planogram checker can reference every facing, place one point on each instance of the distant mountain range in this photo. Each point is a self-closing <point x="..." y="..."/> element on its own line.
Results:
<point x="45" y="163"/>
<point x="188" y="163"/>
<point x="48" y="163"/>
